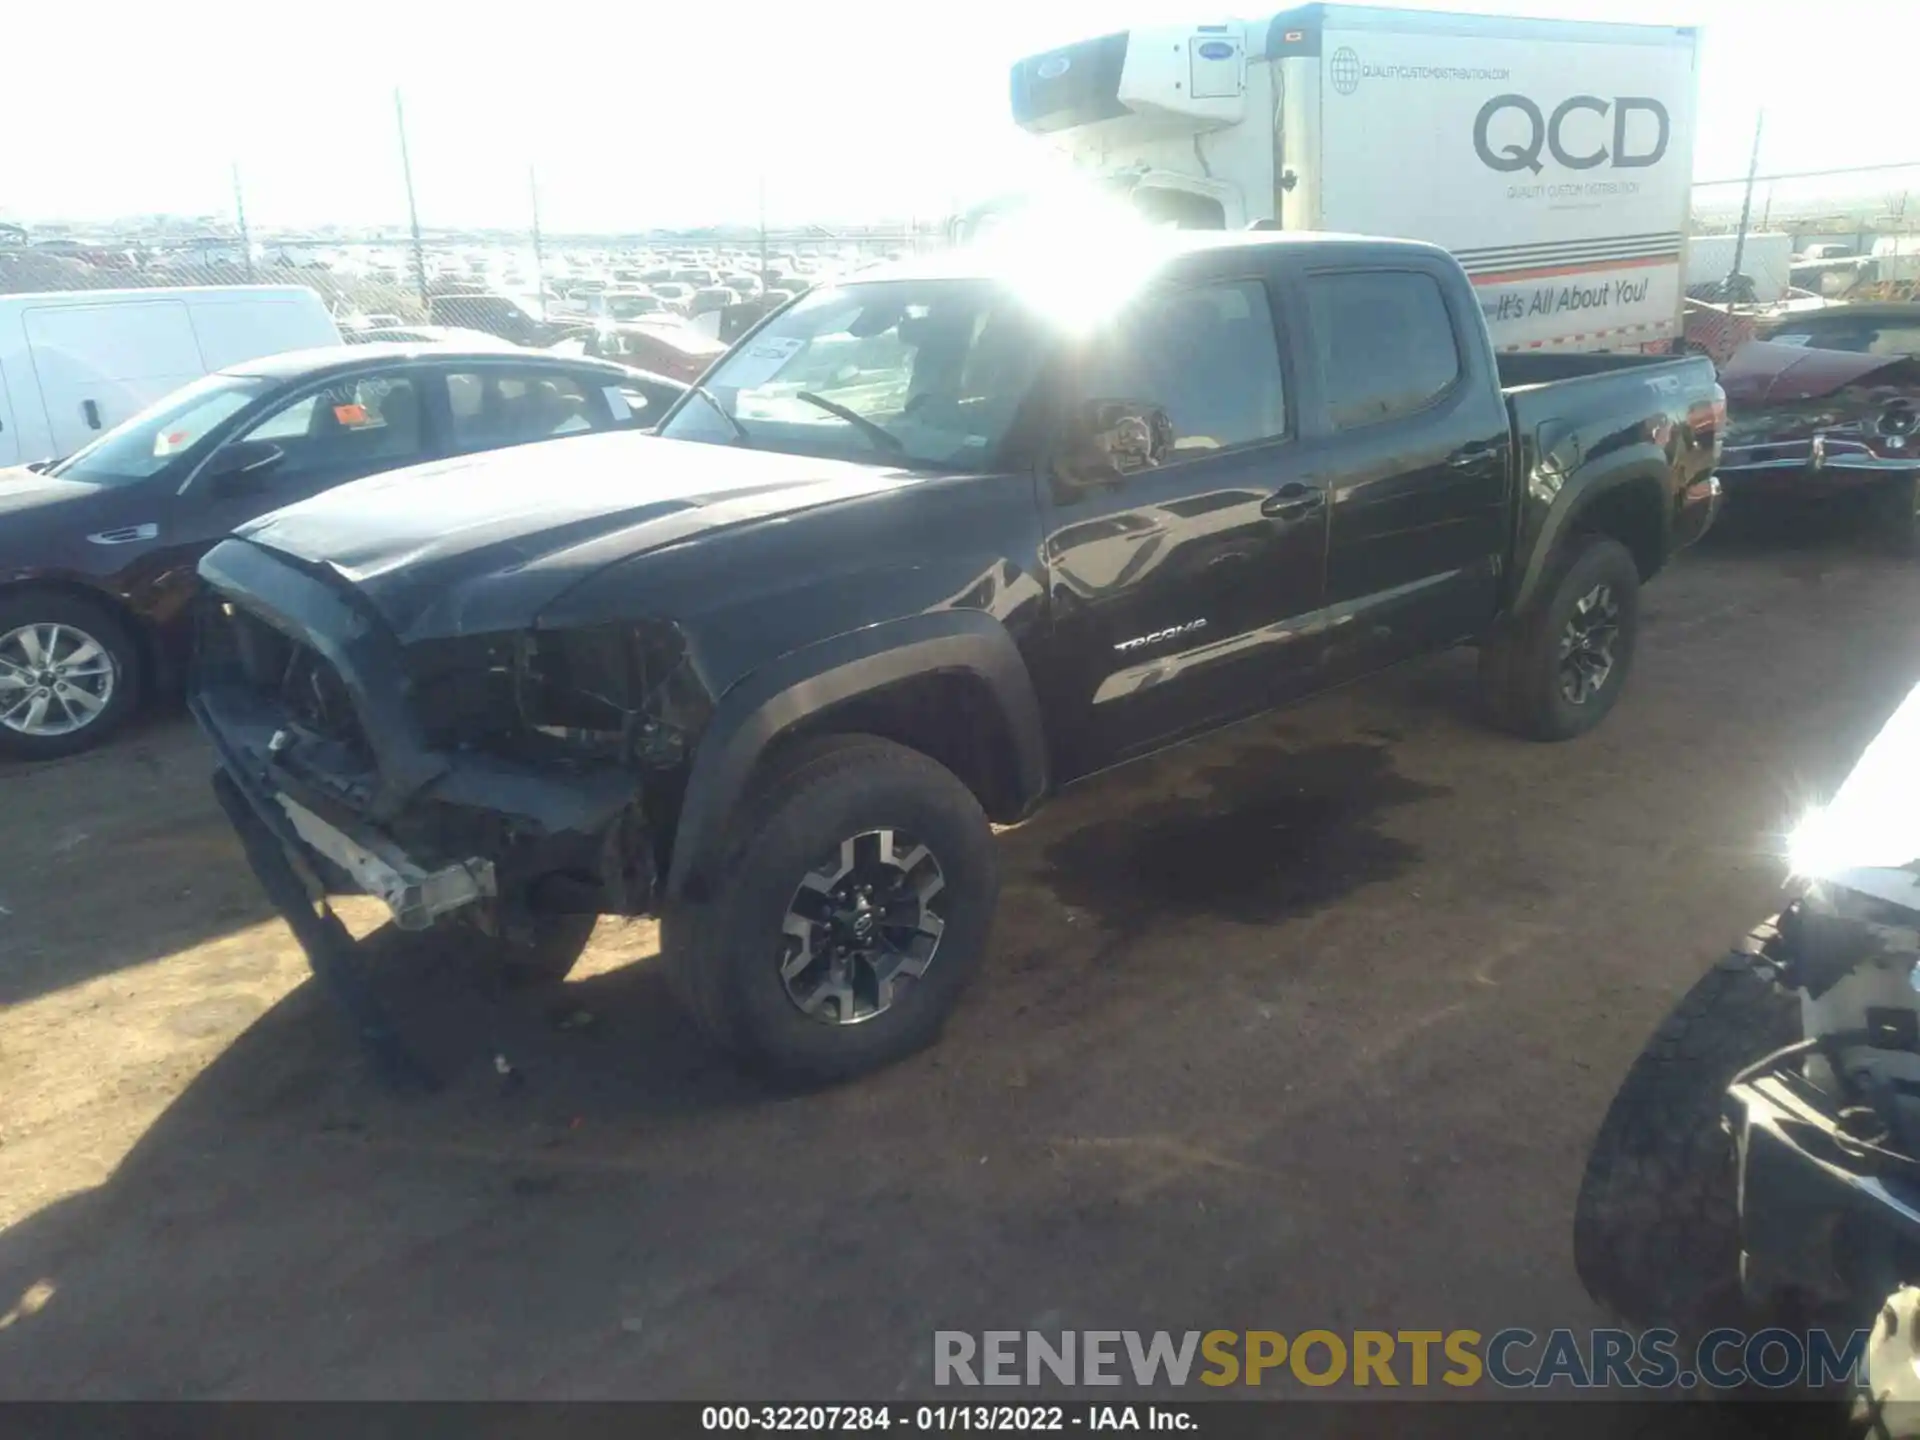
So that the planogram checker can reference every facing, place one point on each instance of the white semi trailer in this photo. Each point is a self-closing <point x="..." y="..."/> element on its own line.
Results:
<point x="1554" y="158"/>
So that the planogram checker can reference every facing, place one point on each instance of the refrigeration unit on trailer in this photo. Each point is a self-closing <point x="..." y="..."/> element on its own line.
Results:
<point x="1554" y="158"/>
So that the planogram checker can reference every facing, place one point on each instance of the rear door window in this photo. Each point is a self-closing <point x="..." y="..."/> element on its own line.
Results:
<point x="493" y="406"/>
<point x="1895" y="340"/>
<point x="637" y="403"/>
<point x="1386" y="341"/>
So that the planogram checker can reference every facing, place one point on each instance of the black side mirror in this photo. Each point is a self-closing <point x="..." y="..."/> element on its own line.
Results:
<point x="1108" y="439"/>
<point x="242" y="465"/>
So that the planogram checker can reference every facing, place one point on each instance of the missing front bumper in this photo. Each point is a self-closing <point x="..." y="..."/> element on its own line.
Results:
<point x="328" y="946"/>
<point x="414" y="896"/>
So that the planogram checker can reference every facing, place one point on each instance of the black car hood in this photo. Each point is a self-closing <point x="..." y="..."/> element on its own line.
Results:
<point x="485" y="542"/>
<point x="42" y="516"/>
<point x="23" y="490"/>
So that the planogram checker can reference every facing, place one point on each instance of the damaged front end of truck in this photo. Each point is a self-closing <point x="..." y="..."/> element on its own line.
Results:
<point x="1760" y="1163"/>
<point x="495" y="781"/>
<point x="1827" y="1127"/>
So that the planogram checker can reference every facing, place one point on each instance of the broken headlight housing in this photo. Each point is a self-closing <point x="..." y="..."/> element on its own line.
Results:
<point x="582" y="687"/>
<point x="607" y="692"/>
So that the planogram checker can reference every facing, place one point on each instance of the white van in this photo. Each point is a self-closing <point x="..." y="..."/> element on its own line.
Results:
<point x="76" y="362"/>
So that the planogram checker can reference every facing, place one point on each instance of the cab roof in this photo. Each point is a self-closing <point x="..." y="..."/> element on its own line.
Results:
<point x="1138" y="253"/>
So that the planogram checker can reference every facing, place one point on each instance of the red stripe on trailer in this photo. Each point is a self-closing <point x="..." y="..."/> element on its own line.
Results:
<point x="1547" y="272"/>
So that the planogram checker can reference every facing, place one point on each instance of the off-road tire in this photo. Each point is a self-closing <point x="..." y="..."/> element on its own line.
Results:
<point x="721" y="954"/>
<point x="1520" y="666"/>
<point x="1656" y="1230"/>
<point x="58" y="607"/>
<point x="1893" y="515"/>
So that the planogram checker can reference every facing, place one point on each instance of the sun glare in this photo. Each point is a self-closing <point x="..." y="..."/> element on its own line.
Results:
<point x="1870" y="823"/>
<point x="1075" y="256"/>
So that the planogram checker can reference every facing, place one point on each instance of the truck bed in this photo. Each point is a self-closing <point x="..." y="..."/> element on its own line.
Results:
<point x="1578" y="417"/>
<point x="1596" y="402"/>
<point x="1538" y="367"/>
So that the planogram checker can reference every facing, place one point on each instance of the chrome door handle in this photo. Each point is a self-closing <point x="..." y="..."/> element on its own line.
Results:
<point x="1292" y="502"/>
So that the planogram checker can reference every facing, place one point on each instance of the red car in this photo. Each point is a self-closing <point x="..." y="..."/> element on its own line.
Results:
<point x="677" y="351"/>
<point x="1817" y="424"/>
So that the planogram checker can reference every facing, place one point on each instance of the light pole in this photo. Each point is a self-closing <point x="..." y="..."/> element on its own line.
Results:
<point x="240" y="217"/>
<point x="539" y="262"/>
<point x="1746" y="206"/>
<point x="413" y="211"/>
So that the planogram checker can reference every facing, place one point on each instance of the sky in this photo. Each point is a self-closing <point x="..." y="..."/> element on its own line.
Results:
<point x="645" y="114"/>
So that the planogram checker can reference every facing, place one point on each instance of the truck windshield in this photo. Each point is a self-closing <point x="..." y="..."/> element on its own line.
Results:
<point x="940" y="366"/>
<point x="159" y="435"/>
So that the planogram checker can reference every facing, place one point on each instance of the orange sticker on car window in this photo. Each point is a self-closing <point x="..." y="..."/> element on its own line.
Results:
<point x="351" y="414"/>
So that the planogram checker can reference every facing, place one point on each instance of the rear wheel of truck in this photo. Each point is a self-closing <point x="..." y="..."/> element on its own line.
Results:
<point x="1559" y="668"/>
<point x="854" y="900"/>
<point x="1656" y="1230"/>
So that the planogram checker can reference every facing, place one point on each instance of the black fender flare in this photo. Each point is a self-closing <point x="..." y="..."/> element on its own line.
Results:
<point x="1633" y="468"/>
<point x="758" y="709"/>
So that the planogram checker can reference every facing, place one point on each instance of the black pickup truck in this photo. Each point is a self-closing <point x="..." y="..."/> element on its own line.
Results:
<point x="924" y="547"/>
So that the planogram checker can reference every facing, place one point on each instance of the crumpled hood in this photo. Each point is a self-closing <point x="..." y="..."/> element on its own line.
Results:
<point x="1867" y="838"/>
<point x="486" y="541"/>
<point x="1764" y="373"/>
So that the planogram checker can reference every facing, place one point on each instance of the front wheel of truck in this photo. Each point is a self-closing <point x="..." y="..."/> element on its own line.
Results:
<point x="1559" y="668"/>
<point x="851" y="908"/>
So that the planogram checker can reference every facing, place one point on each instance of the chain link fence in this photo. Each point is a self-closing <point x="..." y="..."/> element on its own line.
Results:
<point x="464" y="278"/>
<point x="530" y="287"/>
<point x="401" y="270"/>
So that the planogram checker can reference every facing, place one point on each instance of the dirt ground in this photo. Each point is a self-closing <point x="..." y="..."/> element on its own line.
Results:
<point x="1309" y="1025"/>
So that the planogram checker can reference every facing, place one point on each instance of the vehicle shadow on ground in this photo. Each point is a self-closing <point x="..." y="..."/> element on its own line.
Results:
<point x="1275" y="833"/>
<point x="589" y="1162"/>
<point x="114" y="858"/>
<point x="1843" y="528"/>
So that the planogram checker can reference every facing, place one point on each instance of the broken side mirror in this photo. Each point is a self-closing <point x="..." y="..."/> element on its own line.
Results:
<point x="1107" y="440"/>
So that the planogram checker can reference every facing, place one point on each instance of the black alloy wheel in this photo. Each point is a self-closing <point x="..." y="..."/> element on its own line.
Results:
<point x="848" y="909"/>
<point x="1586" y="644"/>
<point x="864" y="923"/>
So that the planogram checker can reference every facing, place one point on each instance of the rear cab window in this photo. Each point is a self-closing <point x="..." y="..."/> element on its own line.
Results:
<point x="1387" y="344"/>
